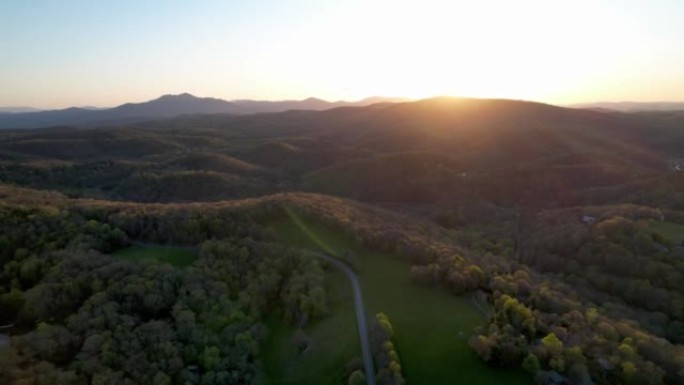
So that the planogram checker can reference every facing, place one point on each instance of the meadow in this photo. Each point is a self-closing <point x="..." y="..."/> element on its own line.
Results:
<point x="332" y="342"/>
<point x="670" y="230"/>
<point x="431" y="326"/>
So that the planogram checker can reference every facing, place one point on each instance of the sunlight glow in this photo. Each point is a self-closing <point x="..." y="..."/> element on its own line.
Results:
<point x="558" y="52"/>
<point x="527" y="50"/>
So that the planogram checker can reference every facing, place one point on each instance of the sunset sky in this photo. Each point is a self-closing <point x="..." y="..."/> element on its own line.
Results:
<point x="55" y="54"/>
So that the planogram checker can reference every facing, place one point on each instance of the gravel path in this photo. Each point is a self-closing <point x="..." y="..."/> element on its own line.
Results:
<point x="360" y="316"/>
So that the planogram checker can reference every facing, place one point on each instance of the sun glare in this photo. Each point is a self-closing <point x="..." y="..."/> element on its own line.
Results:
<point x="557" y="52"/>
<point x="482" y="49"/>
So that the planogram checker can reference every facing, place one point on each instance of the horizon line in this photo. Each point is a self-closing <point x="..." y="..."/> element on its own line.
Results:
<point x="398" y="98"/>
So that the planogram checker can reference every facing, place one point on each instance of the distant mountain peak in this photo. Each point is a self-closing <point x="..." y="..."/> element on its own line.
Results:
<point x="21" y="109"/>
<point x="184" y="95"/>
<point x="312" y="99"/>
<point x="165" y="106"/>
<point x="384" y="99"/>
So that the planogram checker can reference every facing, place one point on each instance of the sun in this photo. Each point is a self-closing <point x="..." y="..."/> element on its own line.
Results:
<point x="429" y="48"/>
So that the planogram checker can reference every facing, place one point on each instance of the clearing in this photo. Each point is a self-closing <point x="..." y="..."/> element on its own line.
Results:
<point x="431" y="325"/>
<point x="670" y="230"/>
<point x="333" y="342"/>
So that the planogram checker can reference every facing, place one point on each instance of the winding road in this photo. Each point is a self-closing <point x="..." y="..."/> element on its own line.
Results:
<point x="360" y="316"/>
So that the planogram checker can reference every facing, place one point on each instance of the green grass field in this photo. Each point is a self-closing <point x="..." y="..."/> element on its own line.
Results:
<point x="431" y="326"/>
<point x="334" y="342"/>
<point x="173" y="256"/>
<point x="669" y="230"/>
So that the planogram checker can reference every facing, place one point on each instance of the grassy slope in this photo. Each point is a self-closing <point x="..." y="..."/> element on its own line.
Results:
<point x="173" y="256"/>
<point x="669" y="230"/>
<point x="334" y="342"/>
<point x="431" y="326"/>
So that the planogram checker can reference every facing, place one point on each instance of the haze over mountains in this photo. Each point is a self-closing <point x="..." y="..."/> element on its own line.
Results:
<point x="370" y="153"/>
<point x="168" y="106"/>
<point x="163" y="107"/>
<point x="632" y="106"/>
<point x="16" y="110"/>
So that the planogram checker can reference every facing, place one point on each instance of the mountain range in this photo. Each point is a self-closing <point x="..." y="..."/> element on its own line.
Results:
<point x="632" y="106"/>
<point x="567" y="224"/>
<point x="163" y="107"/>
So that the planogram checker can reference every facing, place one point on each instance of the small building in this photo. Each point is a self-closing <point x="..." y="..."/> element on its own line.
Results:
<point x="588" y="219"/>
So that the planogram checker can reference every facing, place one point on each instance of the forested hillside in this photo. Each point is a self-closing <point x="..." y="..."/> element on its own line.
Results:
<point x="563" y="227"/>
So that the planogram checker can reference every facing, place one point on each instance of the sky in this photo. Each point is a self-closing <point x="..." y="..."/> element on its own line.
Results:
<point x="61" y="53"/>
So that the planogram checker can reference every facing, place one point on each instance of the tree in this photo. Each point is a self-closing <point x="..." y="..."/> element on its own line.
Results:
<point x="579" y="374"/>
<point x="385" y="325"/>
<point x="531" y="363"/>
<point x="628" y="371"/>
<point x="10" y="304"/>
<point x="211" y="357"/>
<point x="552" y="344"/>
<point x="161" y="378"/>
<point x="483" y="346"/>
<point x="357" y="378"/>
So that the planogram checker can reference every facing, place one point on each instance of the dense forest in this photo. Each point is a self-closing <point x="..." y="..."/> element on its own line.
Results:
<point x="568" y="225"/>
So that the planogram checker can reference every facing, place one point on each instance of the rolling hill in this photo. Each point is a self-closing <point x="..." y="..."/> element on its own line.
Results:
<point x="558" y="230"/>
<point x="441" y="149"/>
